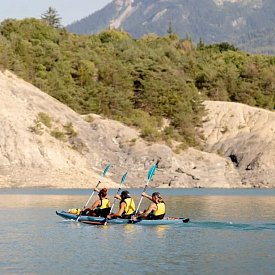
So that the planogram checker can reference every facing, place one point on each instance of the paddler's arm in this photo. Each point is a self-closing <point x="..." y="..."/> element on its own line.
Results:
<point x="117" y="197"/>
<point x="119" y="213"/>
<point x="151" y="208"/>
<point x="95" y="205"/>
<point x="143" y="194"/>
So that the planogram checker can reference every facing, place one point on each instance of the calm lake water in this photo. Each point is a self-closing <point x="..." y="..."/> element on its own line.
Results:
<point x="230" y="232"/>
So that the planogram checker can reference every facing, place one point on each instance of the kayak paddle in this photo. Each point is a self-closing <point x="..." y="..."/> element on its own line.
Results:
<point x="118" y="191"/>
<point x="99" y="181"/>
<point x="150" y="176"/>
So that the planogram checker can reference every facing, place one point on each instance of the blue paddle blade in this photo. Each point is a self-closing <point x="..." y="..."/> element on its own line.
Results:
<point x="124" y="177"/>
<point x="152" y="172"/>
<point x="106" y="169"/>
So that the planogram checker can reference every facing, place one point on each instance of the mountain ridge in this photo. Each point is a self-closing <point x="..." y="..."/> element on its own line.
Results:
<point x="213" y="21"/>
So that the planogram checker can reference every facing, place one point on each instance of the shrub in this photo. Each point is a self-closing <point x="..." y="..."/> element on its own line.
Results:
<point x="58" y="134"/>
<point x="69" y="130"/>
<point x="45" y="119"/>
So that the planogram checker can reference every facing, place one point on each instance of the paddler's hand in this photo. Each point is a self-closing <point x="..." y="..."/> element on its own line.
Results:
<point x="117" y="197"/>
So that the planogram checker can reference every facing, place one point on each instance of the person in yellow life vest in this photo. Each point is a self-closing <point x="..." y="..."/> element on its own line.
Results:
<point x="126" y="206"/>
<point x="101" y="207"/>
<point x="156" y="210"/>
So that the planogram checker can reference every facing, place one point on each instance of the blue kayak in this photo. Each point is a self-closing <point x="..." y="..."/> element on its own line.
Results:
<point x="100" y="220"/>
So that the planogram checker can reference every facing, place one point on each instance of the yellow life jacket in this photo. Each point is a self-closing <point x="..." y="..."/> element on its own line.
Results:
<point x="160" y="209"/>
<point x="130" y="207"/>
<point x="105" y="203"/>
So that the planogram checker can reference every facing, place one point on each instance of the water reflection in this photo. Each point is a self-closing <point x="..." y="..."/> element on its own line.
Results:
<point x="129" y="229"/>
<point x="160" y="230"/>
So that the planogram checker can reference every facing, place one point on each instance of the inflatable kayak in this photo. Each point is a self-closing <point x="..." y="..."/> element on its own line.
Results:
<point x="100" y="220"/>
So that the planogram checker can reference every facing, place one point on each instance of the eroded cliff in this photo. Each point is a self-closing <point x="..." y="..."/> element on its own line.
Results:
<point x="43" y="143"/>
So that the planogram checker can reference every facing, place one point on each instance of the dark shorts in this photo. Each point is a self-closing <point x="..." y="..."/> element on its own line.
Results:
<point x="153" y="217"/>
<point x="96" y="212"/>
<point x="104" y="212"/>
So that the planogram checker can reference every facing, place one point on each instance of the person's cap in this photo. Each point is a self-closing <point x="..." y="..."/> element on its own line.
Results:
<point x="156" y="194"/>
<point x="125" y="194"/>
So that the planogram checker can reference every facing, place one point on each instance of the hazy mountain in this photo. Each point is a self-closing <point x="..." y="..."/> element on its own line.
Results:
<point x="249" y="24"/>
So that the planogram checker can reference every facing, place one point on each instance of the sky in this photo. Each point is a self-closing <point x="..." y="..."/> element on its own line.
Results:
<point x="68" y="10"/>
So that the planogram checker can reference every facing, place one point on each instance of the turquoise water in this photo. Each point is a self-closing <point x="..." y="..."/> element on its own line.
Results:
<point x="231" y="232"/>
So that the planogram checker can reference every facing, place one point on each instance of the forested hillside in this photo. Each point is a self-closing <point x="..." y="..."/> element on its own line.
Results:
<point x="137" y="81"/>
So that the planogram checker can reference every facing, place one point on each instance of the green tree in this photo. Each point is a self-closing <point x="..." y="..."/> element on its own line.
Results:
<point x="170" y="29"/>
<point x="51" y="17"/>
<point x="201" y="44"/>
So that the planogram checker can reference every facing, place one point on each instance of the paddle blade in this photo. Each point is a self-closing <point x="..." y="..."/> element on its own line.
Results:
<point x="123" y="178"/>
<point x="152" y="172"/>
<point x="106" y="169"/>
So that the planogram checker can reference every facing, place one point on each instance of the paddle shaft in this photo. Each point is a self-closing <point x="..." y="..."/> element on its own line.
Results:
<point x="91" y="195"/>
<point x="139" y="203"/>
<point x="102" y="175"/>
<point x="88" y="199"/>
<point x="112" y="207"/>
<point x="105" y="222"/>
<point x="150" y="176"/>
<point x="118" y="191"/>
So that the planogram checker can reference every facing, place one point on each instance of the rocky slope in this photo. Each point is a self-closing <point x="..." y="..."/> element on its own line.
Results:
<point x="43" y="143"/>
<point x="247" y="136"/>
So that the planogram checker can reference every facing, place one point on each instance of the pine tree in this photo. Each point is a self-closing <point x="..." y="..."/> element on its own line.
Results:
<point x="52" y="18"/>
<point x="170" y="29"/>
<point x="201" y="44"/>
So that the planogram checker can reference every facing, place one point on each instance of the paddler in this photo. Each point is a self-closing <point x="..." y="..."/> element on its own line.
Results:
<point x="156" y="210"/>
<point x="126" y="206"/>
<point x="101" y="207"/>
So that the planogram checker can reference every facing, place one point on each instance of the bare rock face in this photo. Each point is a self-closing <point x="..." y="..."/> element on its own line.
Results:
<point x="246" y="136"/>
<point x="32" y="154"/>
<point x="43" y="143"/>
